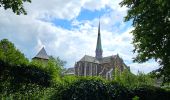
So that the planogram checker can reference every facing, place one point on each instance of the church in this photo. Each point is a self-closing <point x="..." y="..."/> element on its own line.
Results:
<point x="99" y="65"/>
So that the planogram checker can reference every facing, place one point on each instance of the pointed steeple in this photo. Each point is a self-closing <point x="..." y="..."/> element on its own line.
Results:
<point x="99" y="50"/>
<point x="42" y="54"/>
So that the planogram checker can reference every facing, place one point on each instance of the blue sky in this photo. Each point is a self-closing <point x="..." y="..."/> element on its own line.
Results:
<point x="68" y="29"/>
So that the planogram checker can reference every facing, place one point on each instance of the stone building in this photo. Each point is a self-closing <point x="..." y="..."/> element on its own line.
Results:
<point x="41" y="56"/>
<point x="99" y="65"/>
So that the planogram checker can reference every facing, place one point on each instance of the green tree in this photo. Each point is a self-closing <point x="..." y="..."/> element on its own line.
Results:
<point x="151" y="22"/>
<point x="144" y="79"/>
<point x="59" y="63"/>
<point x="128" y="79"/>
<point x="15" y="5"/>
<point x="54" y="70"/>
<point x="53" y="67"/>
<point x="9" y="54"/>
<point x="131" y="80"/>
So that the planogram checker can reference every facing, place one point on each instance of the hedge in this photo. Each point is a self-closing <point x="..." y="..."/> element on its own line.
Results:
<point x="96" y="89"/>
<point x="92" y="89"/>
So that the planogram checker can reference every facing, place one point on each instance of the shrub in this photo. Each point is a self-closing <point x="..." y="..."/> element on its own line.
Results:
<point x="92" y="89"/>
<point x="151" y="93"/>
<point x="135" y="98"/>
<point x="27" y="74"/>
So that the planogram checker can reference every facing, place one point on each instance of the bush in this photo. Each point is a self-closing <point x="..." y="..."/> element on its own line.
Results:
<point x="29" y="92"/>
<point x="151" y="93"/>
<point x="27" y="74"/>
<point x="92" y="89"/>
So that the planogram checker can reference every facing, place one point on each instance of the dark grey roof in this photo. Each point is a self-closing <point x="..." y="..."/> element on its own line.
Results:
<point x="94" y="60"/>
<point x="89" y="59"/>
<point x="108" y="59"/>
<point x="42" y="54"/>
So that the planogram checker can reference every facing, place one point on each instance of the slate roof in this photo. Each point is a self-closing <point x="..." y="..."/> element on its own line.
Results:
<point x="42" y="54"/>
<point x="89" y="59"/>
<point x="108" y="59"/>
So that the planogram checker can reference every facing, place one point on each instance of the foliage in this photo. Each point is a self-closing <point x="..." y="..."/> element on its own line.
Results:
<point x="126" y="78"/>
<point x="50" y="67"/>
<point x="92" y="89"/>
<point x="15" y="5"/>
<point x="9" y="54"/>
<point x="151" y="93"/>
<point x="151" y="21"/>
<point x="58" y="61"/>
<point x="68" y="79"/>
<point x="28" y="92"/>
<point x="12" y="77"/>
<point x="130" y="80"/>
<point x="135" y="98"/>
<point x="145" y="79"/>
<point x="116" y="75"/>
<point x="54" y="69"/>
<point x="30" y="74"/>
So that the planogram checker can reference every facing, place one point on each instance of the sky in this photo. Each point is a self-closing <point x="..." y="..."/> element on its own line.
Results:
<point x="68" y="29"/>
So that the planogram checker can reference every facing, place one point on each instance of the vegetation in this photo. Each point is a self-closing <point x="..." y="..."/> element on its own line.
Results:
<point x="130" y="80"/>
<point x="15" y="5"/>
<point x="9" y="54"/>
<point x="21" y="79"/>
<point x="151" y="21"/>
<point x="95" y="88"/>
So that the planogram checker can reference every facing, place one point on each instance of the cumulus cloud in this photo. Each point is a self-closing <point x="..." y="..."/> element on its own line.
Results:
<point x="30" y="33"/>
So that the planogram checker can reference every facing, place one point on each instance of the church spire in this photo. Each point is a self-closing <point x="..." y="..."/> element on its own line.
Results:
<point x="99" y="50"/>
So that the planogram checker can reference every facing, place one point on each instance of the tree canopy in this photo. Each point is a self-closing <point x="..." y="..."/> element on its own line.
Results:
<point x="9" y="54"/>
<point x="151" y="22"/>
<point x="16" y="5"/>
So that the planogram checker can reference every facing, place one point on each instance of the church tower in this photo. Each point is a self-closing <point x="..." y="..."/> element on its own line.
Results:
<point x="99" y="50"/>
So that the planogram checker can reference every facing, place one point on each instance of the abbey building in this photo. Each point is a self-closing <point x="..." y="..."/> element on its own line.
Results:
<point x="99" y="65"/>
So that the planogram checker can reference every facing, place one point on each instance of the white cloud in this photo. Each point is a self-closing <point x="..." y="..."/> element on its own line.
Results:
<point x="29" y="33"/>
<point x="144" y="67"/>
<point x="64" y="9"/>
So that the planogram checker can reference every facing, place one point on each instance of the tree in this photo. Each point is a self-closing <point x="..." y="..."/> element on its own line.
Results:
<point x="151" y="22"/>
<point x="145" y="79"/>
<point x="131" y="80"/>
<point x="9" y="54"/>
<point x="58" y="62"/>
<point x="15" y="5"/>
<point x="128" y="79"/>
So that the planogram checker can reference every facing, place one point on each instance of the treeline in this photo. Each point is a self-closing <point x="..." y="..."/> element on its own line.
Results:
<point x="24" y="79"/>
